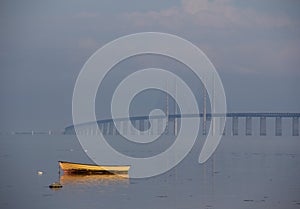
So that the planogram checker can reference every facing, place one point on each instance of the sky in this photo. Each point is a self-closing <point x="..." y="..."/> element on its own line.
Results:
<point x="254" y="45"/>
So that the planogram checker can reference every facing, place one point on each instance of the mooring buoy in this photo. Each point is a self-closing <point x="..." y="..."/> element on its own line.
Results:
<point x="55" y="185"/>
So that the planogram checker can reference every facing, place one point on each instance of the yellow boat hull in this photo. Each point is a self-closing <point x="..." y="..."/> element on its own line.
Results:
<point x="69" y="167"/>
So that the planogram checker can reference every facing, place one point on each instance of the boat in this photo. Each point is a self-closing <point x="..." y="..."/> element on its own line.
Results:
<point x="79" y="168"/>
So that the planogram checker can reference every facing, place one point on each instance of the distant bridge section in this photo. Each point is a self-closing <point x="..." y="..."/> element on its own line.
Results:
<point x="107" y="126"/>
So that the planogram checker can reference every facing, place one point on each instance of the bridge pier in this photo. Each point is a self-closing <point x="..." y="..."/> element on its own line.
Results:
<point x="106" y="128"/>
<point x="143" y="127"/>
<point x="167" y="126"/>
<point x="100" y="125"/>
<point x="114" y="129"/>
<point x="80" y="131"/>
<point x="204" y="127"/>
<point x="119" y="124"/>
<point x="263" y="126"/>
<point x="111" y="128"/>
<point x="160" y="127"/>
<point x="295" y="126"/>
<point x="278" y="126"/>
<point x="85" y="131"/>
<point x="134" y="125"/>
<point x="248" y="126"/>
<point x="235" y="126"/>
<point x="124" y="125"/>
<point x="91" y="131"/>
<point x="222" y="131"/>
<point x="139" y="126"/>
<point x="175" y="126"/>
<point x="147" y="126"/>
<point x="151" y="128"/>
<point x="98" y="131"/>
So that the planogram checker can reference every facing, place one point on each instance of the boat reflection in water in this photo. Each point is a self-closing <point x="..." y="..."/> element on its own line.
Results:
<point x="94" y="179"/>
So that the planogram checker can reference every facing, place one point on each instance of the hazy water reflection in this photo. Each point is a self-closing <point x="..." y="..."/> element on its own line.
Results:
<point x="94" y="180"/>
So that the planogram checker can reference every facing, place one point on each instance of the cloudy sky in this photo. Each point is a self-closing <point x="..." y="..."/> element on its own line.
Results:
<point x="255" y="46"/>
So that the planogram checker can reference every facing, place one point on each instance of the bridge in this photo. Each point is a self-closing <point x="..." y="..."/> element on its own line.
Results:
<point x="232" y="125"/>
<point x="107" y="126"/>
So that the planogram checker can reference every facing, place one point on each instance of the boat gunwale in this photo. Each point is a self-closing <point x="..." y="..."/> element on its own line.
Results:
<point x="92" y="164"/>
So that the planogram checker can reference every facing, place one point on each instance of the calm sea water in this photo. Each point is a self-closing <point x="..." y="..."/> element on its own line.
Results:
<point x="245" y="172"/>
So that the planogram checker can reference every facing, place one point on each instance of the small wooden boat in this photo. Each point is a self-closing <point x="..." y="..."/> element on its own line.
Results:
<point x="78" y="168"/>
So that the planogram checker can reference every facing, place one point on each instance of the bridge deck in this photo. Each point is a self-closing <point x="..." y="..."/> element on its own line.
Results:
<point x="208" y="115"/>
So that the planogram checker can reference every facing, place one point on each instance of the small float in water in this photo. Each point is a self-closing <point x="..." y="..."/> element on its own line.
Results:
<point x="55" y="185"/>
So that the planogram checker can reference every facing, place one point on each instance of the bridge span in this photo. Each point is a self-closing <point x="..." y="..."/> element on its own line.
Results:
<point x="107" y="127"/>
